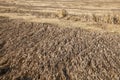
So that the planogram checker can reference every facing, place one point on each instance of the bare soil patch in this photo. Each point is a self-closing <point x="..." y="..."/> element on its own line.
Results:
<point x="42" y="51"/>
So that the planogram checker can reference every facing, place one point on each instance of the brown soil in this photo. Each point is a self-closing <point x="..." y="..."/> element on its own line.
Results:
<point x="59" y="40"/>
<point x="43" y="51"/>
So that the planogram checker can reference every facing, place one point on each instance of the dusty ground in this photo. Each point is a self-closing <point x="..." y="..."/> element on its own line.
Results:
<point x="37" y="44"/>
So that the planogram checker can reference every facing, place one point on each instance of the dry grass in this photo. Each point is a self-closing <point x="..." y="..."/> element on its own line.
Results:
<point x="98" y="18"/>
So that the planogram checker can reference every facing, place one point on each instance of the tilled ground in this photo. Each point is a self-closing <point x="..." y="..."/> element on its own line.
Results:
<point x="42" y="51"/>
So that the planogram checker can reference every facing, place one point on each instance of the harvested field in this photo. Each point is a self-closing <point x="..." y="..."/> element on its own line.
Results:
<point x="77" y="40"/>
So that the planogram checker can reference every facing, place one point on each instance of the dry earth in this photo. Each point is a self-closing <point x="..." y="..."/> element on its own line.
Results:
<point x="59" y="40"/>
